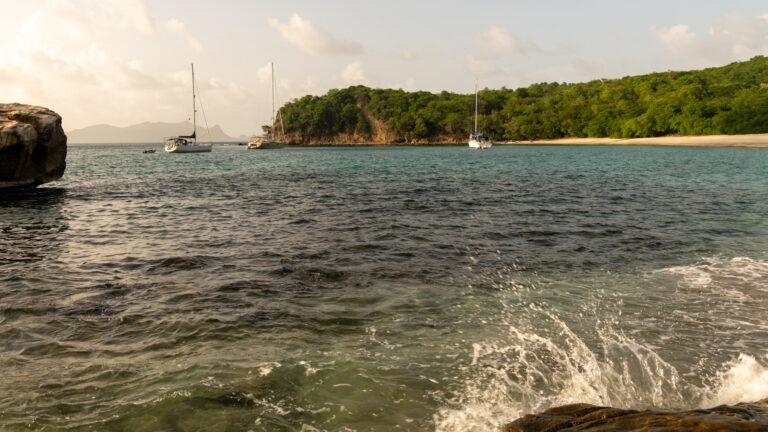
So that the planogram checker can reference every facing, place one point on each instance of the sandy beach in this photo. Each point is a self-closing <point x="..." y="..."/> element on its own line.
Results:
<point x="751" y="141"/>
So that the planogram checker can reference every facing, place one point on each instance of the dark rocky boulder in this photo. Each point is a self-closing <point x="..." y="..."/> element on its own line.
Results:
<point x="590" y="418"/>
<point x="33" y="146"/>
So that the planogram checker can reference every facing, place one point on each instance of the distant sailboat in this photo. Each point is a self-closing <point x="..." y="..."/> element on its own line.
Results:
<point x="268" y="141"/>
<point x="188" y="143"/>
<point x="477" y="140"/>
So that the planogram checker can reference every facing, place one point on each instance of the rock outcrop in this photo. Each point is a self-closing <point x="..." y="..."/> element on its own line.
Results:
<point x="590" y="418"/>
<point x="33" y="146"/>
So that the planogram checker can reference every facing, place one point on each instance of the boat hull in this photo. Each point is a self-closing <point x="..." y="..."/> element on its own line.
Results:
<point x="480" y="145"/>
<point x="266" y="145"/>
<point x="190" y="149"/>
<point x="175" y="145"/>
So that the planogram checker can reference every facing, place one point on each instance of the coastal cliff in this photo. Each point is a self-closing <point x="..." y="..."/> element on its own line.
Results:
<point x="369" y="130"/>
<point x="33" y="146"/>
<point x="590" y="418"/>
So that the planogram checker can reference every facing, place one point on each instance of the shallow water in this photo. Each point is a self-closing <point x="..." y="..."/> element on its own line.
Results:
<point x="376" y="289"/>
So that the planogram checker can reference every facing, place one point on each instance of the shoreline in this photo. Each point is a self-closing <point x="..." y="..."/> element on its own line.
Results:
<point x="747" y="141"/>
<point x="742" y="141"/>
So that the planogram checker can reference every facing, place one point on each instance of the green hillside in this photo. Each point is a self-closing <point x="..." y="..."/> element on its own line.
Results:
<point x="732" y="99"/>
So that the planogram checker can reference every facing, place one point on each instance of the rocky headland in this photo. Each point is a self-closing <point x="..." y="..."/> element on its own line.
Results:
<point x="591" y="418"/>
<point x="33" y="146"/>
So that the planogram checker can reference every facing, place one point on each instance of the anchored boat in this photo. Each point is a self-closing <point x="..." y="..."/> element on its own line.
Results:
<point x="268" y="141"/>
<point x="477" y="140"/>
<point x="188" y="143"/>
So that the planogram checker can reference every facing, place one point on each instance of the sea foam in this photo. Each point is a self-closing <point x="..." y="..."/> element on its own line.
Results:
<point x="542" y="361"/>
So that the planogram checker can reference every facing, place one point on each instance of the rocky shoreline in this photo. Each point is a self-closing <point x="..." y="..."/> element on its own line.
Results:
<point x="33" y="146"/>
<point x="591" y="418"/>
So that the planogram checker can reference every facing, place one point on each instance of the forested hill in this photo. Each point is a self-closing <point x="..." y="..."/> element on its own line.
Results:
<point x="732" y="99"/>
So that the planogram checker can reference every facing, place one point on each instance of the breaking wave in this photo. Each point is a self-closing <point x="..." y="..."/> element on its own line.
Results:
<point x="543" y="359"/>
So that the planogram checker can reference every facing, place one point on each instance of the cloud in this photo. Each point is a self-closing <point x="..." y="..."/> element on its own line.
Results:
<point x="676" y="37"/>
<point x="408" y="85"/>
<point x="732" y="37"/>
<point x="61" y="57"/>
<point x="406" y="54"/>
<point x="57" y="59"/>
<point x="742" y="35"/>
<point x="264" y="73"/>
<point x="353" y="73"/>
<point x="133" y="13"/>
<point x="499" y="40"/>
<point x="481" y="67"/>
<point x="312" y="40"/>
<point x="496" y="45"/>
<point x="309" y="86"/>
<point x="180" y="29"/>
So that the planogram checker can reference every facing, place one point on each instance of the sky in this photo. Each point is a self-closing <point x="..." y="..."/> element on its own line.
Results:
<point x="123" y="62"/>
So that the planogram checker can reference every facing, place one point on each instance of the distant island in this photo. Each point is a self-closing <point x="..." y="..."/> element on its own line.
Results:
<point x="147" y="132"/>
<point x="728" y="100"/>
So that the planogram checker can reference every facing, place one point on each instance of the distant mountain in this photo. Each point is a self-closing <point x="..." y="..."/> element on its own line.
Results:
<point x="147" y="132"/>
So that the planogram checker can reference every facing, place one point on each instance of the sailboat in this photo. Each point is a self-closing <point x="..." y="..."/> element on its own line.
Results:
<point x="268" y="141"/>
<point x="477" y="140"/>
<point x="188" y="143"/>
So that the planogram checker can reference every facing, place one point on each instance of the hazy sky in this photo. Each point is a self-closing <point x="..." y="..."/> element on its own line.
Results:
<point x="123" y="62"/>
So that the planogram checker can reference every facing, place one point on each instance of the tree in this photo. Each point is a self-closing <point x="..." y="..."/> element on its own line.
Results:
<point x="731" y="99"/>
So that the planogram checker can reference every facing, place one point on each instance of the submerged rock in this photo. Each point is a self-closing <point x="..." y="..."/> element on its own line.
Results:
<point x="33" y="146"/>
<point x="584" y="417"/>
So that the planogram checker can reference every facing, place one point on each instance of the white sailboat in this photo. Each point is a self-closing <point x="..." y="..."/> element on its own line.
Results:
<point x="477" y="140"/>
<point x="268" y="141"/>
<point x="188" y="143"/>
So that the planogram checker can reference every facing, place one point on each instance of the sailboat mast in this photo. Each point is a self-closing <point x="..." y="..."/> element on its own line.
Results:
<point x="272" y="124"/>
<point x="475" y="105"/>
<point x="194" y="106"/>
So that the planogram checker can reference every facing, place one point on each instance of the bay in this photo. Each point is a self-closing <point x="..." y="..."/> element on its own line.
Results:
<point x="380" y="288"/>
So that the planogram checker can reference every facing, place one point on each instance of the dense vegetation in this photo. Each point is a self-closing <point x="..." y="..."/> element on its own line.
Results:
<point x="727" y="100"/>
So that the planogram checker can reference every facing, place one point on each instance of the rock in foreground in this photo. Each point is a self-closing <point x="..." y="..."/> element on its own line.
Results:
<point x="584" y="417"/>
<point x="33" y="146"/>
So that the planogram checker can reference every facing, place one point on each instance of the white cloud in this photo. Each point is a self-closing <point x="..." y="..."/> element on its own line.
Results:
<point x="57" y="60"/>
<point x="408" y="85"/>
<point x="744" y="36"/>
<point x="494" y="47"/>
<point x="264" y="73"/>
<point x="732" y="37"/>
<point x="481" y="67"/>
<point x="353" y="73"/>
<point x="499" y="40"/>
<point x="309" y="86"/>
<point x="61" y="58"/>
<point x="676" y="37"/>
<point x="180" y="29"/>
<point x="133" y="13"/>
<point x="308" y="38"/>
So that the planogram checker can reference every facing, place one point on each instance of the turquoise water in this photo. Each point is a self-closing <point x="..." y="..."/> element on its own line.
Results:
<point x="377" y="289"/>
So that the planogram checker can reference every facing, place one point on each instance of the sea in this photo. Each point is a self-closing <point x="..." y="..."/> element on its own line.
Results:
<point x="380" y="288"/>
